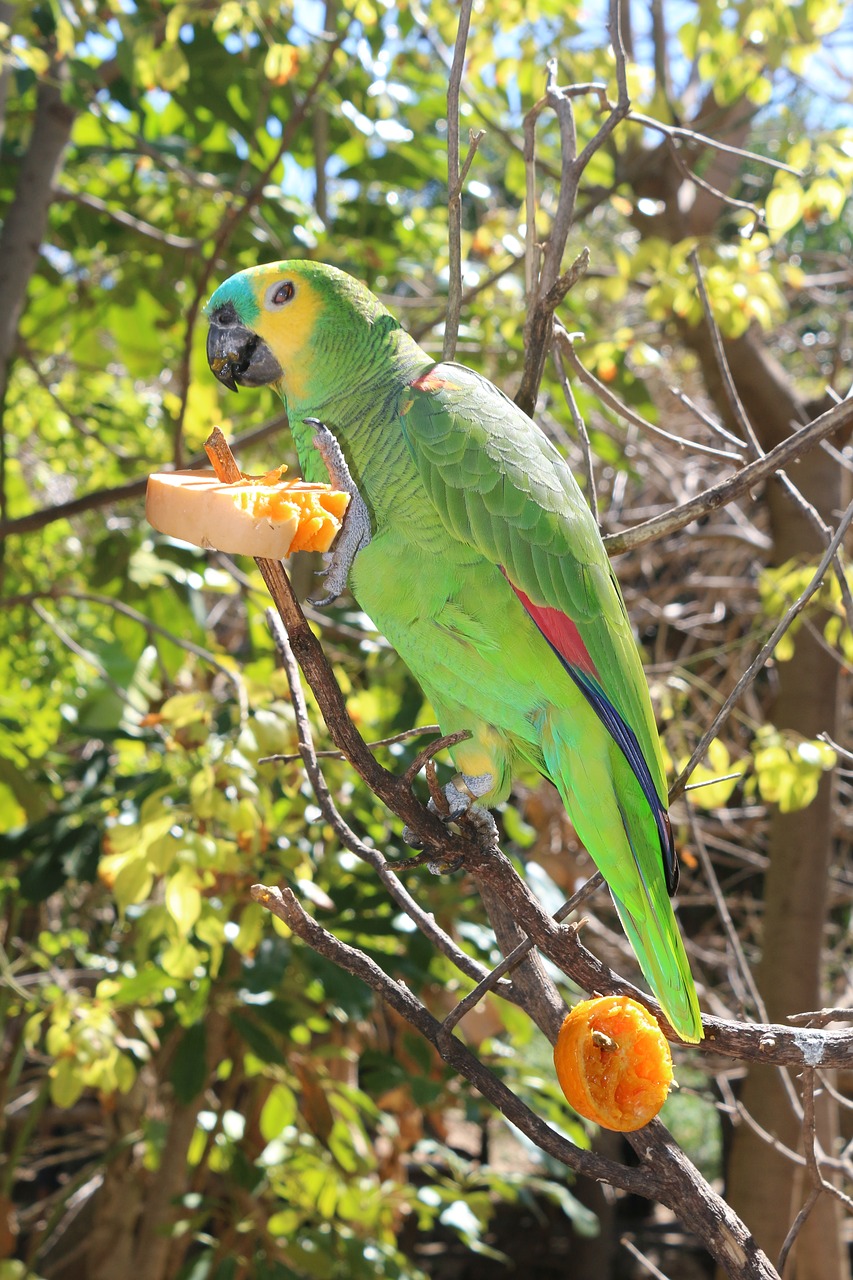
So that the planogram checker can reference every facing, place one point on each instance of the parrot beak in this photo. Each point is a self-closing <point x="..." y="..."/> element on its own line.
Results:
<point x="236" y="355"/>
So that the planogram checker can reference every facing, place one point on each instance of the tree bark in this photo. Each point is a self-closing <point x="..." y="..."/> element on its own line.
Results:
<point x="765" y="1187"/>
<point x="24" y="228"/>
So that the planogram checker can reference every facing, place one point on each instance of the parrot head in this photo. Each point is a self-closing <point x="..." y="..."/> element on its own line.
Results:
<point x="275" y="324"/>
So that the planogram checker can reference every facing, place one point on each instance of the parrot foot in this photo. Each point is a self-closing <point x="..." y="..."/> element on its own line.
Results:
<point x="457" y="803"/>
<point x="355" y="531"/>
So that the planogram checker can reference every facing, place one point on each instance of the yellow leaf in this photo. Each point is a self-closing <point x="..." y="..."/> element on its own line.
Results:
<point x="183" y="900"/>
<point x="281" y="63"/>
<point x="784" y="208"/>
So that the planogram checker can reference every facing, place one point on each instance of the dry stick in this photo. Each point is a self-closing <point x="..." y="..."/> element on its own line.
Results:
<point x="819" y="1183"/>
<point x="724" y="914"/>
<point x="288" y="757"/>
<point x="490" y="981"/>
<point x="655" y="1272"/>
<point x="425" y="922"/>
<point x="546" y="289"/>
<point x="687" y="172"/>
<point x="454" y="182"/>
<point x="613" y="402"/>
<point x="763" y="654"/>
<point x="665" y="1175"/>
<point x="742" y="419"/>
<point x="677" y="131"/>
<point x="580" y="427"/>
<point x="719" y="495"/>
<point x="820" y="1017"/>
<point x="710" y="422"/>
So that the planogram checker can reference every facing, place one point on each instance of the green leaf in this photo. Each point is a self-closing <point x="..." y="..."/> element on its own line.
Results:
<point x="189" y="1072"/>
<point x="278" y="1112"/>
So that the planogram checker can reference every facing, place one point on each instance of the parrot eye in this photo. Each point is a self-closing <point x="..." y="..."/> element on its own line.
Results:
<point x="280" y="293"/>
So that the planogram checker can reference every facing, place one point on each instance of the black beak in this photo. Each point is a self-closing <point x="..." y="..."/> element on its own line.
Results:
<point x="238" y="356"/>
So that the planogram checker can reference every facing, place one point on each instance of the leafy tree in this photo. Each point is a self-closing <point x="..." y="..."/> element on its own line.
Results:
<point x="190" y="1091"/>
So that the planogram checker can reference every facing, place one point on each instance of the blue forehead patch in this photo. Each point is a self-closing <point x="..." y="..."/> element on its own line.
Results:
<point x="239" y="292"/>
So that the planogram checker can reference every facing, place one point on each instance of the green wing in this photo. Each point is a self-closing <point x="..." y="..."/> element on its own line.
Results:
<point x="500" y="485"/>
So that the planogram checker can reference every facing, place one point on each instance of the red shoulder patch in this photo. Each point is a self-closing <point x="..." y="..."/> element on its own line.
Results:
<point x="432" y="381"/>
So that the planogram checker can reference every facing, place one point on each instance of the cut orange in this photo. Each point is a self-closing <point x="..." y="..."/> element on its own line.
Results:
<point x="613" y="1062"/>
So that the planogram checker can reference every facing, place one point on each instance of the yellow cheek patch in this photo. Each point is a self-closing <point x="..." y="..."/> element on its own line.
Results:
<point x="288" y="331"/>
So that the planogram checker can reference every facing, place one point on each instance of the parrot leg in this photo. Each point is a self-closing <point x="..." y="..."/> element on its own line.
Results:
<point x="355" y="531"/>
<point x="460" y="796"/>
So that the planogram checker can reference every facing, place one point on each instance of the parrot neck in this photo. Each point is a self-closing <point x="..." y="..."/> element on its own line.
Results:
<point x="359" y="399"/>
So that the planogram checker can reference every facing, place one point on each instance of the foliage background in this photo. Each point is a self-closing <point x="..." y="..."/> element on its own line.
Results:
<point x="186" y="1092"/>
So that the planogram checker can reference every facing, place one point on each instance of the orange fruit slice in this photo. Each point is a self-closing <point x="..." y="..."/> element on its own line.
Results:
<point x="613" y="1062"/>
<point x="266" y="516"/>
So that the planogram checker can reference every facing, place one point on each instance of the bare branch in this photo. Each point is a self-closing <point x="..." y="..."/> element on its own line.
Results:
<point x="613" y="402"/>
<point x="763" y="654"/>
<point x="719" y="495"/>
<point x="125" y="219"/>
<point x="424" y="921"/>
<point x="454" y="182"/>
<point x="702" y="139"/>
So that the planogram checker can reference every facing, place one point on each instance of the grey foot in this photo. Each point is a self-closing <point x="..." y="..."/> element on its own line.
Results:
<point x="355" y="530"/>
<point x="460" y="806"/>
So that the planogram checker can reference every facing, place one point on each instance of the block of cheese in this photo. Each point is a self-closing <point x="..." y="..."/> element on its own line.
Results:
<point x="256" y="516"/>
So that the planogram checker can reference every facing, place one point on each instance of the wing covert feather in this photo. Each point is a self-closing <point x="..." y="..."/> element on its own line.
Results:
<point x="500" y="486"/>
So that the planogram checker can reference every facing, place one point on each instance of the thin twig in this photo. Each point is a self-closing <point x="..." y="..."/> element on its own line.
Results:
<point x="763" y="654"/>
<point x="710" y="422"/>
<point x="725" y="915"/>
<point x="403" y="736"/>
<point x="425" y="922"/>
<point x="490" y="981"/>
<point x="820" y="1017"/>
<point x="702" y="139"/>
<point x="655" y="1272"/>
<point x="425" y="756"/>
<point x="580" y="428"/>
<point x="613" y="402"/>
<point x="454" y="183"/>
<point x="837" y="418"/>
<point x="742" y="419"/>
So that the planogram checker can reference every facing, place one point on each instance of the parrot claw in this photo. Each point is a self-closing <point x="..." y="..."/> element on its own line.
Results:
<point x="355" y="530"/>
<point x="460" y="805"/>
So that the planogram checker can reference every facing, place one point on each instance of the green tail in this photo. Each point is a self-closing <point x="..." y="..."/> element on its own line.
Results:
<point x="612" y="818"/>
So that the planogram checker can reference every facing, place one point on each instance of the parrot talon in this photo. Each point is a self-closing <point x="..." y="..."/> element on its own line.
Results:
<point x="457" y="806"/>
<point x="355" y="530"/>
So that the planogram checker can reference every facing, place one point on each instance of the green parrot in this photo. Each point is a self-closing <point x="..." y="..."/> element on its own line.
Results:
<point x="469" y="544"/>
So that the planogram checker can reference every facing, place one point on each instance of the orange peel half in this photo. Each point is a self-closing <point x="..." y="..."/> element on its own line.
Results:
<point x="613" y="1062"/>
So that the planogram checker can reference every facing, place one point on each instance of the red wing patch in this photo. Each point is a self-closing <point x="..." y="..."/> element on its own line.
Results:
<point x="432" y="381"/>
<point x="558" y="628"/>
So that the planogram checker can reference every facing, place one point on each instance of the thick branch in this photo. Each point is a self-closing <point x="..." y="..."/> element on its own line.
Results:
<point x="665" y="1173"/>
<point x="839" y="417"/>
